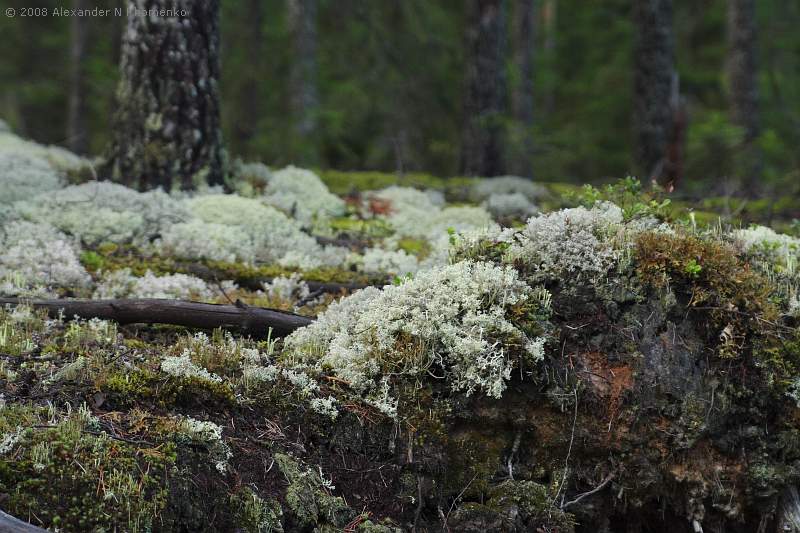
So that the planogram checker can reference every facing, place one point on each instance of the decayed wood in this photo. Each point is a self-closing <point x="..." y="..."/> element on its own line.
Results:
<point x="9" y="524"/>
<point x="254" y="321"/>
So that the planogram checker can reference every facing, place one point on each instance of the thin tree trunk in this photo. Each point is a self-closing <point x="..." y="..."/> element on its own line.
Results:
<point x="77" y="138"/>
<point x="742" y="78"/>
<point x="654" y="78"/>
<point x="303" y="79"/>
<point x="249" y="104"/>
<point x="255" y="321"/>
<point x="522" y="95"/>
<point x="167" y="126"/>
<point x="549" y="20"/>
<point x="485" y="100"/>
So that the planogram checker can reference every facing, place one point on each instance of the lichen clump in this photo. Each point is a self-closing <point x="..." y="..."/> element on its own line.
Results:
<point x="459" y="320"/>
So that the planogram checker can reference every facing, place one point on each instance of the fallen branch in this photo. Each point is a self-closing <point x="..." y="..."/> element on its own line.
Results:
<point x="9" y="524"/>
<point x="254" y="321"/>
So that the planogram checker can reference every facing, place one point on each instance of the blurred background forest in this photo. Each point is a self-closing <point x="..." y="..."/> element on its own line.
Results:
<point x="383" y="85"/>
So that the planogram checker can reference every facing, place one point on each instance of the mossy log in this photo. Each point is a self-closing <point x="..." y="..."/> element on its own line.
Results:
<point x="254" y="321"/>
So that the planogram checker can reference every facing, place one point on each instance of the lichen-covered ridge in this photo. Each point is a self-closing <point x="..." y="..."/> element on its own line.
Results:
<point x="595" y="368"/>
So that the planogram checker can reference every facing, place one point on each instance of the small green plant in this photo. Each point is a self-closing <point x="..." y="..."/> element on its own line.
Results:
<point x="15" y="340"/>
<point x="693" y="268"/>
<point x="630" y="196"/>
<point x="92" y="261"/>
<point x="451" y="231"/>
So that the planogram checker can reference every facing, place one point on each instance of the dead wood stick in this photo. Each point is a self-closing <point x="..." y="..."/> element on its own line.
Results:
<point x="254" y="321"/>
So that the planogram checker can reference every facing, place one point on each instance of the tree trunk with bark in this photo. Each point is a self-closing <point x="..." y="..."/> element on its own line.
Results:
<point x="485" y="99"/>
<point x="522" y="95"/>
<point x="654" y="79"/>
<point x="304" y="98"/>
<point x="167" y="125"/>
<point x="77" y="138"/>
<point x="743" y="83"/>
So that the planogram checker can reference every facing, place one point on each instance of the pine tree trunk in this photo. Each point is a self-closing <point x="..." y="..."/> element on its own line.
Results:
<point x="522" y="95"/>
<point x="303" y="79"/>
<point x="654" y="76"/>
<point x="485" y="100"/>
<point x="167" y="125"/>
<point x="77" y="137"/>
<point x="742" y="78"/>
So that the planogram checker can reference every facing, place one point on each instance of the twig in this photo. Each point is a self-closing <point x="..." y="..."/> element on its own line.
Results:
<point x="595" y="490"/>
<point x="311" y="296"/>
<point x="514" y="450"/>
<point x="569" y="451"/>
<point x="460" y="494"/>
<point x="222" y="290"/>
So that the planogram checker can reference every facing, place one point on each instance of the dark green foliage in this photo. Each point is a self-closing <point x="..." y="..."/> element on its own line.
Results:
<point x="390" y="86"/>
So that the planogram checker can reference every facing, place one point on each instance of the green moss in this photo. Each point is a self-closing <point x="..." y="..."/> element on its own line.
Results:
<point x="255" y="515"/>
<point x="197" y="392"/>
<point x="766" y="478"/>
<point x="342" y="183"/>
<point x="77" y="481"/>
<point x="475" y="456"/>
<point x="307" y="498"/>
<point x="781" y="358"/>
<point x="135" y="344"/>
<point x="417" y="247"/>
<point x="249" y="276"/>
<point x="371" y="228"/>
<point x="116" y="257"/>
<point x="92" y="261"/>
<point x="785" y="206"/>
<point x="718" y="282"/>
<point x="535" y="504"/>
<point x="125" y="389"/>
<point x="369" y="526"/>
